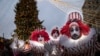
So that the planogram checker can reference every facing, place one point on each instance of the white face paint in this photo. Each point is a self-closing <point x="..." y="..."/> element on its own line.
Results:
<point x="75" y="32"/>
<point x="55" y="35"/>
<point x="40" y="38"/>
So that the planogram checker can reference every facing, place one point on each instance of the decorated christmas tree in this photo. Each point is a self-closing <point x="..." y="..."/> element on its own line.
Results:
<point x="26" y="18"/>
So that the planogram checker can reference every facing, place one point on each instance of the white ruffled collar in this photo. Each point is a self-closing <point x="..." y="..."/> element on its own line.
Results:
<point x="68" y="42"/>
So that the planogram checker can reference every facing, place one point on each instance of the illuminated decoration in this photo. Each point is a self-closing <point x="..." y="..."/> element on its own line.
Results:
<point x="26" y="18"/>
<point x="84" y="45"/>
<point x="27" y="46"/>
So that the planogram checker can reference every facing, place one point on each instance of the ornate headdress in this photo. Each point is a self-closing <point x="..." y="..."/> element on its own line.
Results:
<point x="74" y="16"/>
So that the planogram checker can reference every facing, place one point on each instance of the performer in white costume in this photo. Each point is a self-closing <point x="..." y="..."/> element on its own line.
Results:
<point x="77" y="37"/>
<point x="52" y="46"/>
<point x="38" y="38"/>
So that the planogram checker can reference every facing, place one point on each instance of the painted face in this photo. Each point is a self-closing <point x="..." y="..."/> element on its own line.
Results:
<point x="75" y="32"/>
<point x="55" y="35"/>
<point x="40" y="38"/>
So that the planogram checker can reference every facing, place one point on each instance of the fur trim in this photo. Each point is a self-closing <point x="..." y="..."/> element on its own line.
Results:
<point x="53" y="39"/>
<point x="84" y="39"/>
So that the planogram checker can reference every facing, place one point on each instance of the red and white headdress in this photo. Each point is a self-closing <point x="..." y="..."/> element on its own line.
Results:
<point x="83" y="28"/>
<point x="55" y="30"/>
<point x="74" y="15"/>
